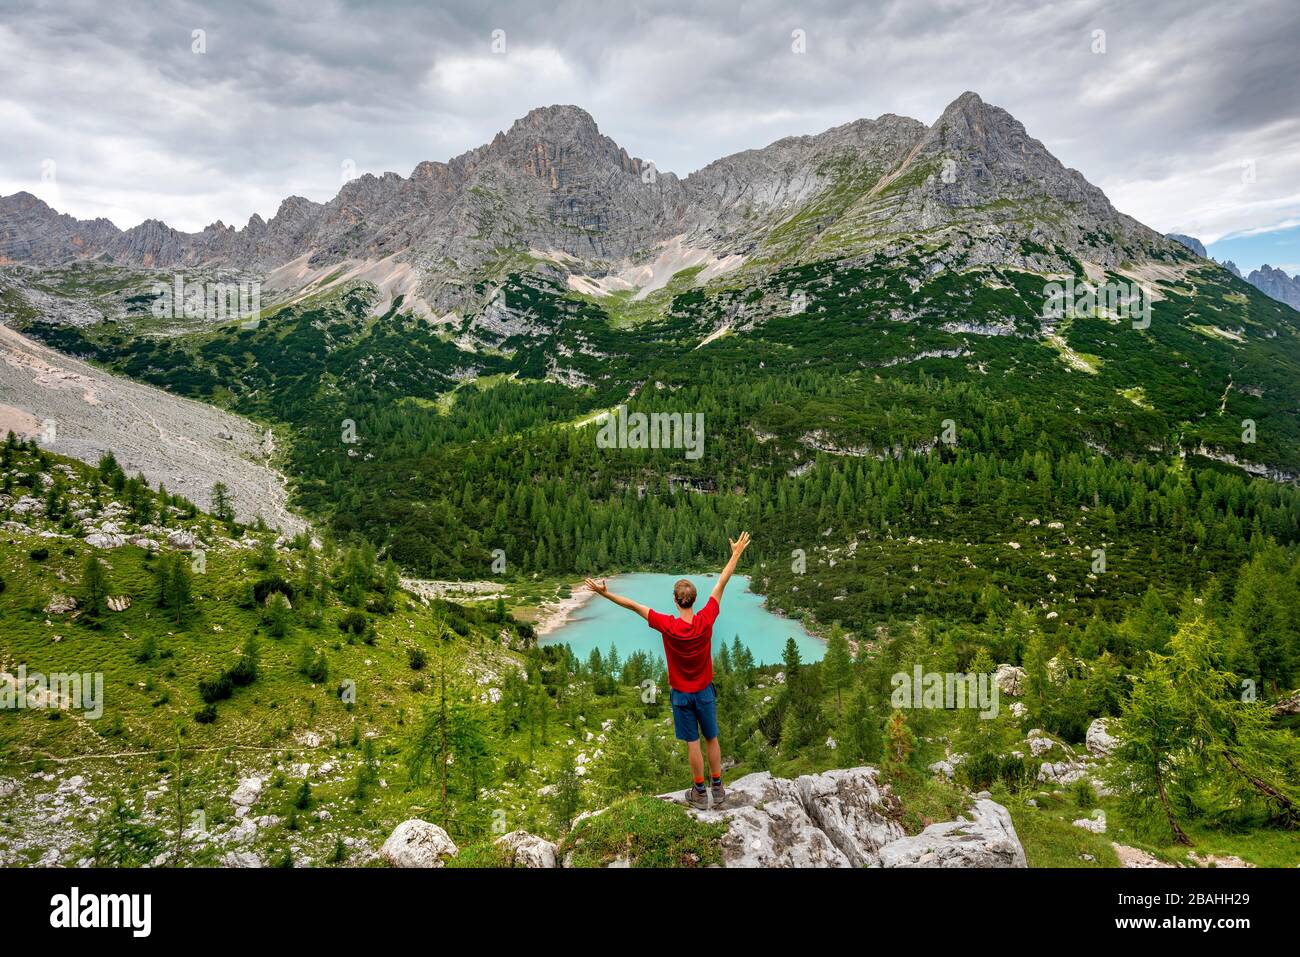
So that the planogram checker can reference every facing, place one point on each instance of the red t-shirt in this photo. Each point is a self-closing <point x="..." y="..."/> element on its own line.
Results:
<point x="688" y="646"/>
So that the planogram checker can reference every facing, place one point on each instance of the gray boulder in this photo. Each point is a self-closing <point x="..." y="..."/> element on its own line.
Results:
<point x="988" y="839"/>
<point x="528" y="850"/>
<point x="416" y="843"/>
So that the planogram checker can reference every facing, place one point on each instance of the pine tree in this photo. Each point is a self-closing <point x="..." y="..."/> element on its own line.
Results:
<point x="94" y="585"/>
<point x="837" y="665"/>
<point x="222" y="507"/>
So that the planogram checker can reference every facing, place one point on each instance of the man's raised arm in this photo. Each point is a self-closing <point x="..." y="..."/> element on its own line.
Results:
<point x="600" y="588"/>
<point x="737" y="549"/>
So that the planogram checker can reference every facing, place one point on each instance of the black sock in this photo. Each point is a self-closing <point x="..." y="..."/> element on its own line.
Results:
<point x="700" y="787"/>
<point x="717" y="781"/>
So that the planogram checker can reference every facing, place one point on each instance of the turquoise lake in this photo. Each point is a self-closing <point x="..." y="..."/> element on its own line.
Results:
<point x="601" y="623"/>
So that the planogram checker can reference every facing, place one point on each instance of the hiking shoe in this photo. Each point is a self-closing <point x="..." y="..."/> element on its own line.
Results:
<point x="697" y="798"/>
<point x="719" y="795"/>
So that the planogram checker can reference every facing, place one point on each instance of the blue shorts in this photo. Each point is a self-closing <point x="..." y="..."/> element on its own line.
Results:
<point x="695" y="713"/>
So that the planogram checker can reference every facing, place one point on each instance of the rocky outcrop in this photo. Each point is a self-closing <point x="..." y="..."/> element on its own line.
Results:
<point x="1096" y="823"/>
<point x="60" y="605"/>
<point x="1010" y="679"/>
<point x="528" y="850"/>
<point x="1099" y="740"/>
<point x="768" y="826"/>
<point x="987" y="839"/>
<point x="1290" y="704"/>
<point x="852" y="808"/>
<point x="246" y="795"/>
<point x="848" y="818"/>
<point x="417" y="843"/>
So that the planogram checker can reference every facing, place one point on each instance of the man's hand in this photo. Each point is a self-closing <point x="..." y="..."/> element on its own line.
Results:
<point x="739" y="545"/>
<point x="600" y="588"/>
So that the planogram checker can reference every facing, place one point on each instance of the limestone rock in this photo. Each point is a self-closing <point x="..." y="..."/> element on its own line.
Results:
<point x="416" y="843"/>
<point x="1100" y="741"/>
<point x="528" y="850"/>
<point x="854" y="810"/>
<point x="1010" y="679"/>
<point x="246" y="795"/>
<point x="1096" y="823"/>
<point x="60" y="605"/>
<point x="988" y="839"/>
<point x="1290" y="704"/>
<point x="768" y="826"/>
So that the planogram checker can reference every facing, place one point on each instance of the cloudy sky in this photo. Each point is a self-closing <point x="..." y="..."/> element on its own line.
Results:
<point x="1183" y="111"/>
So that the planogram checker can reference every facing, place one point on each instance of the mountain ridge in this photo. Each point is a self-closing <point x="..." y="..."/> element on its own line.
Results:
<point x="552" y="182"/>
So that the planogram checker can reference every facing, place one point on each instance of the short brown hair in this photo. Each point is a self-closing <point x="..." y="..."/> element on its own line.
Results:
<point x="684" y="593"/>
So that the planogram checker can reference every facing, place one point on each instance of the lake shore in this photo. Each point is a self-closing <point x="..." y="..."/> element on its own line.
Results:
<point x="552" y="616"/>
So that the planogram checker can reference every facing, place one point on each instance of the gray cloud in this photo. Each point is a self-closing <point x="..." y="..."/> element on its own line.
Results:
<point x="137" y="125"/>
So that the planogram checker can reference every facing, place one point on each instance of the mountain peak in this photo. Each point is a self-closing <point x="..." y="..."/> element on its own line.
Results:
<point x="560" y="118"/>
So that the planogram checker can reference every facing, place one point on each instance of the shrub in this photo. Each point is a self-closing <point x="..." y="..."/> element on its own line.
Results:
<point x="147" y="650"/>
<point x="264" y="587"/>
<point x="416" y="658"/>
<point x="216" y="689"/>
<point x="39" y="554"/>
<point x="354" y="622"/>
<point x="206" y="715"/>
<point x="1083" y="794"/>
<point x="313" y="665"/>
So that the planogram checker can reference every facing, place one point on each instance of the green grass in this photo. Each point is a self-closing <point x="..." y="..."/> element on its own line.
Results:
<point x="644" y="832"/>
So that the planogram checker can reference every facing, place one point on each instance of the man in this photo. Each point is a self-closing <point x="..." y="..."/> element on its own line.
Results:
<point x="688" y="646"/>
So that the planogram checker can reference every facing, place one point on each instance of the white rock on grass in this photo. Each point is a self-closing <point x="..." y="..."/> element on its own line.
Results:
<point x="246" y="795"/>
<point x="988" y="839"/>
<point x="1096" y="823"/>
<point x="241" y="859"/>
<point x="416" y="843"/>
<point x="1039" y="744"/>
<point x="528" y="850"/>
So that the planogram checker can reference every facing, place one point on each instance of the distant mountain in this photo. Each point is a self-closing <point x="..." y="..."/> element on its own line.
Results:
<point x="1191" y="242"/>
<point x="972" y="188"/>
<point x="1276" y="283"/>
<point x="1271" y="282"/>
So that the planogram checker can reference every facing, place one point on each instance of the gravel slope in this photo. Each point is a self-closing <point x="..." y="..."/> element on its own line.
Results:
<point x="184" y="444"/>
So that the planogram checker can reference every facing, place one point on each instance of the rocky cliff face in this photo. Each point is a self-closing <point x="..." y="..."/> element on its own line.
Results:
<point x="1191" y="242"/>
<point x="553" y="185"/>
